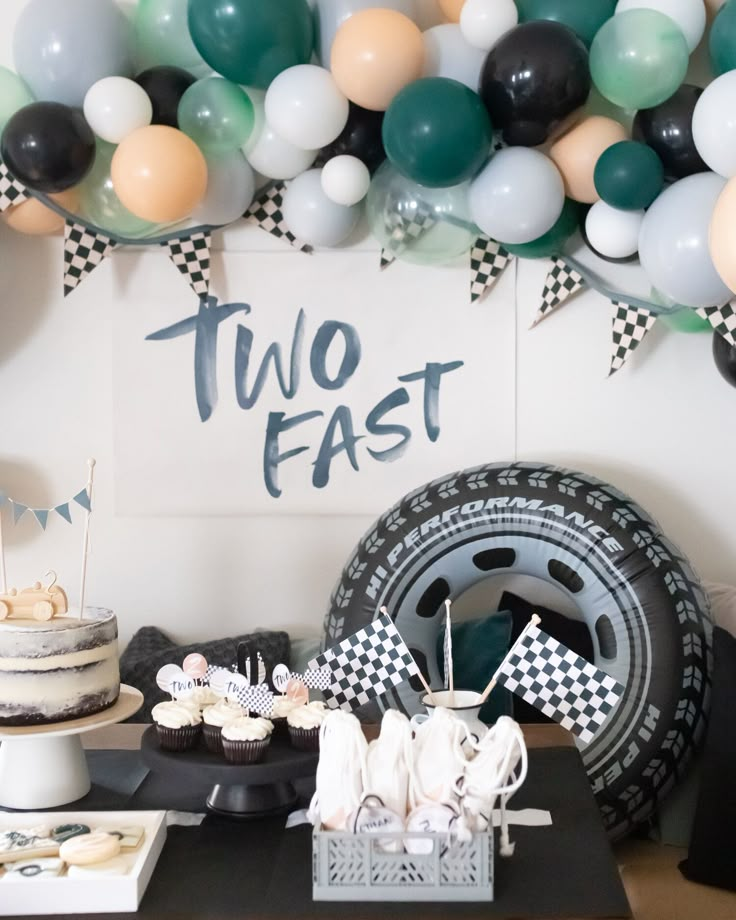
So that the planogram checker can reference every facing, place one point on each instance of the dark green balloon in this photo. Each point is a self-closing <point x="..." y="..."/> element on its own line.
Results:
<point x="554" y="239"/>
<point x="437" y="132"/>
<point x="629" y="176"/>
<point x="584" y="17"/>
<point x="722" y="41"/>
<point x="251" y="41"/>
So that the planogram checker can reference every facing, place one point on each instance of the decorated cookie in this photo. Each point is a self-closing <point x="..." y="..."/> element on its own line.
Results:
<point x="115" y="866"/>
<point x="27" y="843"/>
<point x="67" y="831"/>
<point x="129" y="836"/>
<point x="88" y="849"/>
<point x="46" y="867"/>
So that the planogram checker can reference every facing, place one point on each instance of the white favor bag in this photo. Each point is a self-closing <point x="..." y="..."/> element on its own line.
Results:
<point x="340" y="771"/>
<point x="388" y="762"/>
<point x="438" y="760"/>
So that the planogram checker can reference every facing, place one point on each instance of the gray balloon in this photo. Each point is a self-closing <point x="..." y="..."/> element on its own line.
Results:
<point x="673" y="242"/>
<point x="62" y="48"/>
<point x="230" y="188"/>
<point x="312" y="217"/>
<point x="329" y="15"/>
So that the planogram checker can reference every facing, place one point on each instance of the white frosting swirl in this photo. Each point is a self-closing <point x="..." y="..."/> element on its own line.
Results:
<point x="247" y="729"/>
<point x="175" y="714"/>
<point x="310" y="716"/>
<point x="282" y="706"/>
<point x="221" y="713"/>
<point x="205" y="696"/>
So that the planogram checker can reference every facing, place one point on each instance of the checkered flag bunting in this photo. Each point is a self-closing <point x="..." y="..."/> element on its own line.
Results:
<point x="365" y="665"/>
<point x="630" y="325"/>
<point x="722" y="319"/>
<point x="191" y="255"/>
<point x="266" y="211"/>
<point x="11" y="190"/>
<point x="404" y="230"/>
<point x="561" y="284"/>
<point x="84" y="250"/>
<point x="488" y="260"/>
<point x="559" y="683"/>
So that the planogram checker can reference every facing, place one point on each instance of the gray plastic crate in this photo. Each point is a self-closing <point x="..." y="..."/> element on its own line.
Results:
<point x="354" y="867"/>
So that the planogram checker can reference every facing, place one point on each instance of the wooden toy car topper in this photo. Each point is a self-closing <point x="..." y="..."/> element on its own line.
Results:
<point x="38" y="602"/>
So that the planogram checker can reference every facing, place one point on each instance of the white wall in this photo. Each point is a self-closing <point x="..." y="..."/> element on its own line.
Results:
<point x="661" y="429"/>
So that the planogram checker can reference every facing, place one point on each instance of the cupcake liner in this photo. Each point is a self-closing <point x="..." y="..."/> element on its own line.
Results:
<point x="178" y="739"/>
<point x="304" y="739"/>
<point x="244" y="752"/>
<point x="280" y="727"/>
<point x="213" y="738"/>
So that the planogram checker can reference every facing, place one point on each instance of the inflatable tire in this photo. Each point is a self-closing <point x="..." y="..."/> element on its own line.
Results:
<point x="647" y="613"/>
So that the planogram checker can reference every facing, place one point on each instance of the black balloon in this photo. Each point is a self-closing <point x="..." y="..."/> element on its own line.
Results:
<point x="48" y="146"/>
<point x="361" y="137"/>
<point x="725" y="357"/>
<point x="165" y="86"/>
<point x="533" y="78"/>
<point x="668" y="129"/>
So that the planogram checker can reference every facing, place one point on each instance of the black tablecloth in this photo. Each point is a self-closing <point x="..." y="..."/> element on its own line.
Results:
<point x="260" y="871"/>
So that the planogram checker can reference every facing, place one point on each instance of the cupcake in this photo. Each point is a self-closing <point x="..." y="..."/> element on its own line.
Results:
<point x="178" y="724"/>
<point x="204" y="697"/>
<point x="304" y="724"/>
<point x="213" y="718"/>
<point x="245" y="739"/>
<point x="282" y="706"/>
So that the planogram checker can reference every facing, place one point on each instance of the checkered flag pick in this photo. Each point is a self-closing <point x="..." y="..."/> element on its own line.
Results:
<point x="191" y="255"/>
<point x="11" y="190"/>
<point x="404" y="230"/>
<point x="561" y="684"/>
<point x="630" y="325"/>
<point x="256" y="698"/>
<point x="488" y="260"/>
<point x="561" y="284"/>
<point x="365" y="665"/>
<point x="266" y="211"/>
<point x="84" y="250"/>
<point x="722" y="319"/>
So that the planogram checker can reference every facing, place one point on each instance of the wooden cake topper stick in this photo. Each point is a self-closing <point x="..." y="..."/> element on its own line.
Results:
<point x="85" y="540"/>
<point x="449" y="664"/>
<point x="535" y="620"/>
<point x="3" y="576"/>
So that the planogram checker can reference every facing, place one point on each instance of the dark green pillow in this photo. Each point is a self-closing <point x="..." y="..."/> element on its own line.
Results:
<point x="478" y="648"/>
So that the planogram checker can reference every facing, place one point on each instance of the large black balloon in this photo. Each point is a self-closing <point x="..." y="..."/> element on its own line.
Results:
<point x="165" y="86"/>
<point x="668" y="129"/>
<point x="533" y="78"/>
<point x="48" y="146"/>
<point x="361" y="137"/>
<point x="725" y="357"/>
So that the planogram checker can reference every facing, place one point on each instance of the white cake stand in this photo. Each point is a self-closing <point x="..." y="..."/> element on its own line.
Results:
<point x="42" y="766"/>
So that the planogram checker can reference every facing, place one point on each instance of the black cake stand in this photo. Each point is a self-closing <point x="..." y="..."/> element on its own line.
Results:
<point x="238" y="791"/>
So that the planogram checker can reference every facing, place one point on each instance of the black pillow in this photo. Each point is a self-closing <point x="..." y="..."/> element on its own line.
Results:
<point x="150" y="649"/>
<point x="712" y="856"/>
<point x="572" y="633"/>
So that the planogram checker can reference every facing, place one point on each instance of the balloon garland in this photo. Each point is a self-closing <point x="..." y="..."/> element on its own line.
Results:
<point x="504" y="132"/>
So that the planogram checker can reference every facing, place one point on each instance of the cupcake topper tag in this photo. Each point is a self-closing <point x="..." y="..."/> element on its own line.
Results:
<point x="171" y="679"/>
<point x="195" y="665"/>
<point x="236" y="687"/>
<point x="316" y="679"/>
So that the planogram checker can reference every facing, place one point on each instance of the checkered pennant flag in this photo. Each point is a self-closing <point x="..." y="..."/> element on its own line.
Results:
<point x="561" y="684"/>
<point x="722" y="319"/>
<point x="266" y="211"/>
<point x="256" y="698"/>
<point x="404" y="230"/>
<point x="84" y="250"/>
<point x="630" y="325"/>
<point x="191" y="255"/>
<point x="11" y="190"/>
<point x="366" y="665"/>
<point x="488" y="259"/>
<point x="562" y="282"/>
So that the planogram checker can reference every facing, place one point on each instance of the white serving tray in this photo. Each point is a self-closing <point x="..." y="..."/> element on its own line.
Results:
<point x="112" y="894"/>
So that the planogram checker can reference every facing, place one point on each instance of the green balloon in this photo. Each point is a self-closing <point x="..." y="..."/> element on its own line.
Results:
<point x="217" y="115"/>
<point x="426" y="226"/>
<point x="629" y="176"/>
<point x="252" y="41"/>
<point x="584" y="17"/>
<point x="722" y="41"/>
<point x="551" y="243"/>
<point x="639" y="58"/>
<point x="102" y="207"/>
<point x="162" y="37"/>
<point x="437" y="132"/>
<point x="14" y="95"/>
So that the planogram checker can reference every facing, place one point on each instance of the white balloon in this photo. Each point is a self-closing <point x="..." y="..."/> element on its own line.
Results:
<point x="230" y="189"/>
<point x="688" y="14"/>
<point x="305" y="106"/>
<point x="115" y="107"/>
<point x="483" y="22"/>
<point x="518" y="196"/>
<point x="714" y="125"/>
<point x="612" y="232"/>
<point x="312" y="217"/>
<point x="448" y="54"/>
<point x="345" y="180"/>
<point x="276" y="158"/>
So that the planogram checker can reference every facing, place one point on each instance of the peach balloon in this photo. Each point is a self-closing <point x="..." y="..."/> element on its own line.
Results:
<point x="576" y="153"/>
<point x="375" y="54"/>
<point x="452" y="9"/>
<point x="159" y="174"/>
<point x="723" y="235"/>
<point x="35" y="219"/>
